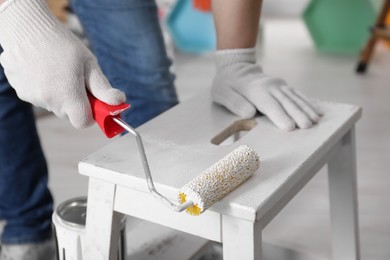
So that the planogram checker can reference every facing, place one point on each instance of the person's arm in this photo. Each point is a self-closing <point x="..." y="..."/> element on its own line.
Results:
<point x="240" y="84"/>
<point x="47" y="65"/>
<point x="237" y="23"/>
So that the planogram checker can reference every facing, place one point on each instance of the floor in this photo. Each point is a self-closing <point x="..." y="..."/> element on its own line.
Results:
<point x="288" y="52"/>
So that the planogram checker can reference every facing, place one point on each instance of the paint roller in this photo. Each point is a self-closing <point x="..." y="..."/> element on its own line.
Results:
<point x="203" y="191"/>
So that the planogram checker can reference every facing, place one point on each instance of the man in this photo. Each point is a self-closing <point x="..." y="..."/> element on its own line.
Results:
<point x="45" y="65"/>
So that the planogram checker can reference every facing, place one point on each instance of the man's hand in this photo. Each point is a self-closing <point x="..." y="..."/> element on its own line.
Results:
<point x="47" y="65"/>
<point x="241" y="87"/>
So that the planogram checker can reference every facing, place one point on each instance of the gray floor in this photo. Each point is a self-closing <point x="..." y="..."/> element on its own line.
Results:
<point x="286" y="51"/>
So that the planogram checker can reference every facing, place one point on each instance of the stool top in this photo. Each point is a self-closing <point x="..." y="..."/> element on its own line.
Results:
<point x="178" y="146"/>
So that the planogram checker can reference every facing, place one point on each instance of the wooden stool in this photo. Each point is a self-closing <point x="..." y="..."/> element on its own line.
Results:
<point x="379" y="31"/>
<point x="179" y="146"/>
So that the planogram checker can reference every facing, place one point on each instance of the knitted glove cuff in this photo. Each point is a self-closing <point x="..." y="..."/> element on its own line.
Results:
<point x="225" y="58"/>
<point x="21" y="20"/>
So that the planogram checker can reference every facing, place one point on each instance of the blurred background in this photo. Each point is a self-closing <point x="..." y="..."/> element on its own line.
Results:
<point x="315" y="46"/>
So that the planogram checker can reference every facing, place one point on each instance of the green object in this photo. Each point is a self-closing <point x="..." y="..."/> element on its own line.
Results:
<point x="339" y="26"/>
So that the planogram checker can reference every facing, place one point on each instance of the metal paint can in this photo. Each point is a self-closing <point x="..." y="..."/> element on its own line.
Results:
<point x="69" y="228"/>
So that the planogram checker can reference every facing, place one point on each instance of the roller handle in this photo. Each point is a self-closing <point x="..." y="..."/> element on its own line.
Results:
<point x="104" y="113"/>
<point x="108" y="119"/>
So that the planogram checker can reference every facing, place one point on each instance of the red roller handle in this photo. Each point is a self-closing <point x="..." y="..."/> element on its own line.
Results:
<point x="103" y="114"/>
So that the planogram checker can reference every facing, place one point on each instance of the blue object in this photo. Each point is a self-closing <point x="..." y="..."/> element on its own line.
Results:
<point x="339" y="26"/>
<point x="192" y="30"/>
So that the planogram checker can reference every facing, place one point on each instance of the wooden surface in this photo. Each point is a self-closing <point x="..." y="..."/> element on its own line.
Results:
<point x="344" y="201"/>
<point x="178" y="147"/>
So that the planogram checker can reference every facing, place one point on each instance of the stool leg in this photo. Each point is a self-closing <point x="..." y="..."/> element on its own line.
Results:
<point x="343" y="200"/>
<point x="366" y="53"/>
<point x="365" y="56"/>
<point x="103" y="223"/>
<point x="241" y="239"/>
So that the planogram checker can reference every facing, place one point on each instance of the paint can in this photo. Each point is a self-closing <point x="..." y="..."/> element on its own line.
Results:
<point x="69" y="220"/>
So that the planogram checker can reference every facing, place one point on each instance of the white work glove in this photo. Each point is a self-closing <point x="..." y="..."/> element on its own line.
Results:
<point x="241" y="86"/>
<point x="47" y="65"/>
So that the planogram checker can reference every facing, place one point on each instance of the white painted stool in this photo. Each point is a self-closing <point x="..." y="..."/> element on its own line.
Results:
<point x="69" y="225"/>
<point x="178" y="145"/>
